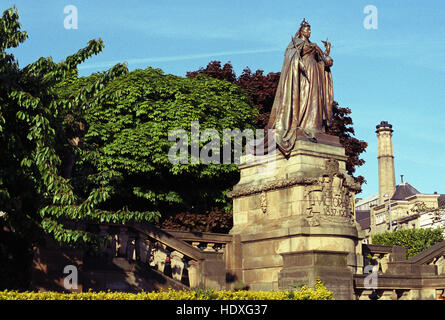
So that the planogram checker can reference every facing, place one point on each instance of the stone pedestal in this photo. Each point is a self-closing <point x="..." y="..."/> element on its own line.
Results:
<point x="293" y="205"/>
<point x="306" y="266"/>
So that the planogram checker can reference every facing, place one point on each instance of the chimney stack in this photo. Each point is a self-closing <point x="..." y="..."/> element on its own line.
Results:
<point x="385" y="156"/>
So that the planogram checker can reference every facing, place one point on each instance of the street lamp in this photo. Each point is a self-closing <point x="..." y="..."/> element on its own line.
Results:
<point x="386" y="195"/>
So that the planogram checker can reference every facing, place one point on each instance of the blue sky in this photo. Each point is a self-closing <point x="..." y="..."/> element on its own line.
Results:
<point x="394" y="73"/>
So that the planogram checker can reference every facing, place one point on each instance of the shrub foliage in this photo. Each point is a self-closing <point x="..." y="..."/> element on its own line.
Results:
<point x="414" y="240"/>
<point x="319" y="292"/>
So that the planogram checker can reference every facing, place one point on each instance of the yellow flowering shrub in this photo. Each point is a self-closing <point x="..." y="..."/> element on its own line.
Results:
<point x="319" y="292"/>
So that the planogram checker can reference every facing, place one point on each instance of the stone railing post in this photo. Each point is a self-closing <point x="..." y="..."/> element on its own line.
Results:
<point x="440" y="263"/>
<point x="384" y="262"/>
<point x="159" y="256"/>
<point x="196" y="244"/>
<point x="177" y="265"/>
<point x="193" y="271"/>
<point x="209" y="247"/>
<point x="131" y="247"/>
<point x="123" y="242"/>
<point x="144" y="247"/>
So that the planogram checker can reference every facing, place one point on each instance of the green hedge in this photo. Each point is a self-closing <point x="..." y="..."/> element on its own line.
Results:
<point x="319" y="292"/>
<point x="414" y="240"/>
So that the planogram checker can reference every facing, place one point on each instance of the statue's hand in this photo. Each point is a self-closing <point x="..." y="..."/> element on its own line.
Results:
<point x="327" y="46"/>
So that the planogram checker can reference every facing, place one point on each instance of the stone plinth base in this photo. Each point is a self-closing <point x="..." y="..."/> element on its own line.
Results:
<point x="303" y="268"/>
<point x="261" y="254"/>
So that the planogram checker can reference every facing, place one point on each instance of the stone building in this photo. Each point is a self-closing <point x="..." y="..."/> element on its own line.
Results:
<point x="407" y="209"/>
<point x="396" y="206"/>
<point x="363" y="214"/>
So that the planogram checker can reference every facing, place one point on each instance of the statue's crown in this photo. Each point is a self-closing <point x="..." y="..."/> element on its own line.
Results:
<point x="304" y="23"/>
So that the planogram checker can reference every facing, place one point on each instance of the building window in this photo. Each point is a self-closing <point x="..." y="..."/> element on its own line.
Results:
<point x="380" y="219"/>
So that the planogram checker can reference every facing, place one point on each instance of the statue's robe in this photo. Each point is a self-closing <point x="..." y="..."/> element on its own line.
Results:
<point x="303" y="100"/>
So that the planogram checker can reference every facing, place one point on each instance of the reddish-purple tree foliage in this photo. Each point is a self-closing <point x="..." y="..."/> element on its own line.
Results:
<point x="215" y="70"/>
<point x="261" y="89"/>
<point x="216" y="220"/>
<point x="342" y="127"/>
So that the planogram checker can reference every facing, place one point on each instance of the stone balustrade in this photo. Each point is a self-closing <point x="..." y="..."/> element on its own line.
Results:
<point x="125" y="242"/>
<point x="398" y="278"/>
<point x="177" y="254"/>
<point x="134" y="256"/>
<point x="379" y="256"/>
<point x="204" y="241"/>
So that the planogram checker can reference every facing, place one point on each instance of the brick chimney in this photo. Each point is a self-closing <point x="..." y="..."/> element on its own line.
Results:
<point x="385" y="156"/>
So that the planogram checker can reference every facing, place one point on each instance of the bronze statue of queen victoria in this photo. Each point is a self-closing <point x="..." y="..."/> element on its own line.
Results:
<point x="304" y="96"/>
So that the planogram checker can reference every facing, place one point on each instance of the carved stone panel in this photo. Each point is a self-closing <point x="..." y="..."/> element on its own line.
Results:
<point x="329" y="200"/>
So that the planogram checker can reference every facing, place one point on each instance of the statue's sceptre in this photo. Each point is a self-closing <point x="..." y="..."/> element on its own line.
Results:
<point x="327" y="46"/>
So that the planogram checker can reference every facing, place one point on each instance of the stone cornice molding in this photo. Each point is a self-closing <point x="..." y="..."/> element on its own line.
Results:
<point x="286" y="183"/>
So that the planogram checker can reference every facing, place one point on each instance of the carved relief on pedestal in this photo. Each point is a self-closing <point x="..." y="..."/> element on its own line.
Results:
<point x="329" y="200"/>
<point x="263" y="202"/>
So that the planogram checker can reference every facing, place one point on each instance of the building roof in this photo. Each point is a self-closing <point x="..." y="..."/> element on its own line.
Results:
<point x="363" y="217"/>
<point x="367" y="200"/>
<point x="385" y="125"/>
<point x="403" y="191"/>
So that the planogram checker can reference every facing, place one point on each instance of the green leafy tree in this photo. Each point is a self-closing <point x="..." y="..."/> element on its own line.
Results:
<point x="34" y="138"/>
<point x="128" y="135"/>
<point x="414" y="240"/>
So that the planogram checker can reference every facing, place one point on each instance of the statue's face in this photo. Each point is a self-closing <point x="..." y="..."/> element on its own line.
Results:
<point x="306" y="31"/>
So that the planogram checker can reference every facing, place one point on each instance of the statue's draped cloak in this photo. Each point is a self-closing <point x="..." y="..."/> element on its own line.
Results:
<point x="303" y="100"/>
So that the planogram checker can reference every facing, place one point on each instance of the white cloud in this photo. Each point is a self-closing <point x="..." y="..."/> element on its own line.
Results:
<point x="133" y="61"/>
